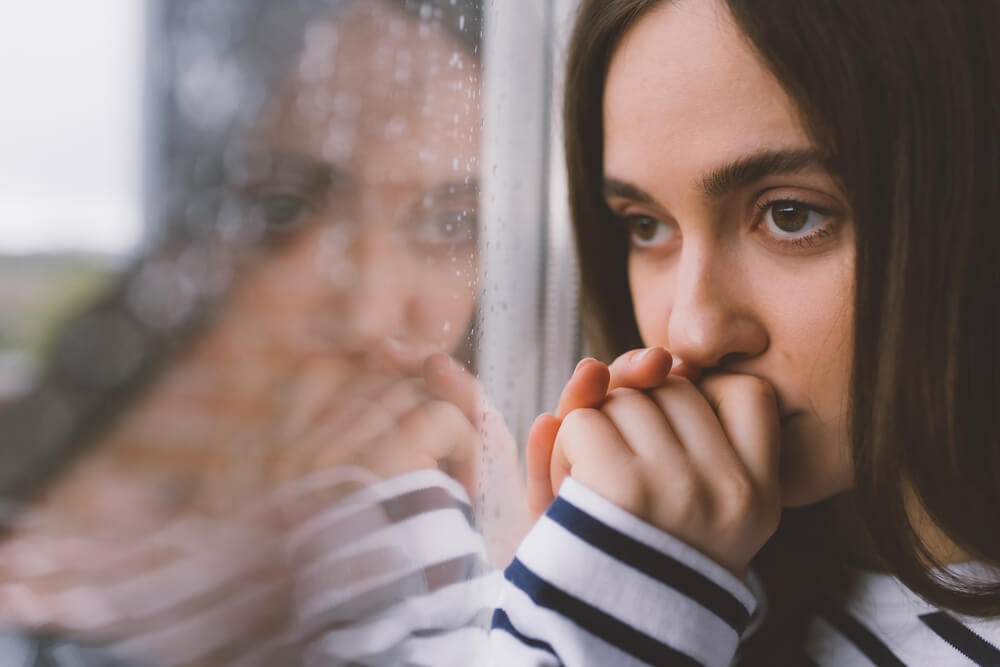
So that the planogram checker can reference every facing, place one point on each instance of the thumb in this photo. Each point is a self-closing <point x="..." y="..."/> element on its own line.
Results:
<point x="538" y="455"/>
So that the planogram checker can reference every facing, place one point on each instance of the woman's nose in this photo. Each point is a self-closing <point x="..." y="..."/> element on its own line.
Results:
<point x="713" y="319"/>
<point x="379" y="296"/>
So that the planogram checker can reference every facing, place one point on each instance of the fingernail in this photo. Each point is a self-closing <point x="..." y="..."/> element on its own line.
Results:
<point x="540" y="418"/>
<point x="583" y="362"/>
<point x="647" y="353"/>
<point x="639" y="356"/>
<point x="395" y="344"/>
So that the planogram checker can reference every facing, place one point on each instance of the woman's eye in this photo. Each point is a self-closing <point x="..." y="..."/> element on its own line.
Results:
<point x="446" y="227"/>
<point x="788" y="219"/>
<point x="647" y="231"/>
<point x="279" y="212"/>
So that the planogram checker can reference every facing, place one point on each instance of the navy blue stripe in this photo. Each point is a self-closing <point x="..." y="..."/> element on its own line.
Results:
<point x="971" y="645"/>
<point x="502" y="622"/>
<point x="419" y="501"/>
<point x="395" y="510"/>
<point x="598" y="623"/>
<point x="432" y="578"/>
<point x="659" y="566"/>
<point x="862" y="638"/>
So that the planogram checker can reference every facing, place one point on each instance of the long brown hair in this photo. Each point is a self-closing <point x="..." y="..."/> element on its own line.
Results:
<point x="905" y="97"/>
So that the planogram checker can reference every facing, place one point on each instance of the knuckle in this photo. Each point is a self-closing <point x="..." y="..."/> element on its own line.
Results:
<point x="678" y="382"/>
<point x="581" y="420"/>
<point x="408" y="388"/>
<point x="413" y="425"/>
<point x="623" y="395"/>
<point x="687" y="497"/>
<point x="693" y="507"/>
<point x="623" y="358"/>
<point x="630" y="490"/>
<point x="673" y="385"/>
<point x="741" y="497"/>
<point x="444" y="415"/>
<point x="744" y="509"/>
<point x="748" y="386"/>
<point x="756" y="387"/>
<point x="634" y="498"/>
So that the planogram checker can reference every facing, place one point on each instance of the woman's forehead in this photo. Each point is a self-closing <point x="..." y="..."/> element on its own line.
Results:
<point x="380" y="50"/>
<point x="388" y="91"/>
<point x="686" y="93"/>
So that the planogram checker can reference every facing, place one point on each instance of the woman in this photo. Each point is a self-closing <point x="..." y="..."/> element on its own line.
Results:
<point x="795" y="200"/>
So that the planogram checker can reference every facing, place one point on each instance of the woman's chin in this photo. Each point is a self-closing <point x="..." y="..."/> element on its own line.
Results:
<point x="815" y="464"/>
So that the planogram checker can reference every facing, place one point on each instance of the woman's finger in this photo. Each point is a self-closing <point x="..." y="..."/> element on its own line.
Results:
<point x="586" y="388"/>
<point x="449" y="381"/>
<point x="360" y="419"/>
<point x="748" y="412"/>
<point x="640" y="369"/>
<point x="642" y="424"/>
<point x="433" y="435"/>
<point x="538" y="455"/>
<point x="319" y="383"/>
<point x="589" y="447"/>
<point x="391" y="354"/>
<point x="696" y="424"/>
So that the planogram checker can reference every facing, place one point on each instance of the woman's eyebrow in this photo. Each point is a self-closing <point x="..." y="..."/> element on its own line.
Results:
<point x="615" y="188"/>
<point x="258" y="166"/>
<point x="749" y="169"/>
<point x="728" y="178"/>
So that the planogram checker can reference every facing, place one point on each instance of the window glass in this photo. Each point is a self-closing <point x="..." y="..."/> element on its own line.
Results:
<point x="268" y="264"/>
<point x="70" y="168"/>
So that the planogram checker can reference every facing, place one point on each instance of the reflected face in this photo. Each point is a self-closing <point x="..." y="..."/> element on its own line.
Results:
<point x="367" y="161"/>
<point x="742" y="245"/>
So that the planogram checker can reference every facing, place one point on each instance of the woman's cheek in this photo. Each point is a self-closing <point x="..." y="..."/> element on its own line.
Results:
<point x="816" y="445"/>
<point x="445" y="300"/>
<point x="652" y="298"/>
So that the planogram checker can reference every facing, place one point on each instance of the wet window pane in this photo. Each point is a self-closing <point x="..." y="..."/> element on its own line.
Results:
<point x="279" y="281"/>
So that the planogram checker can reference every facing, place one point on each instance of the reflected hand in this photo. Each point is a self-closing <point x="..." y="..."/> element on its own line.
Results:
<point x="404" y="415"/>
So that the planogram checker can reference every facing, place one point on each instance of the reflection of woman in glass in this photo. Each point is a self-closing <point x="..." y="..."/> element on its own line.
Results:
<point x="368" y="152"/>
<point x="347" y="227"/>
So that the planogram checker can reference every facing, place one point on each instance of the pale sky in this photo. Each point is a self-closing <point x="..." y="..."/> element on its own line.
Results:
<point x="70" y="125"/>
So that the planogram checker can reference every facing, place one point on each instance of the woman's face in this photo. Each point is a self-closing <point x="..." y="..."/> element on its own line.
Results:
<point x="742" y="245"/>
<point x="367" y="157"/>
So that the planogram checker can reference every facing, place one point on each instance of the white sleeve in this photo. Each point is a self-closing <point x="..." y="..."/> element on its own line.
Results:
<point x="394" y="573"/>
<point x="594" y="585"/>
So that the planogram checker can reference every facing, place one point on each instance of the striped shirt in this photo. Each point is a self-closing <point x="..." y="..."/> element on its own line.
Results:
<point x="395" y="572"/>
<point x="593" y="585"/>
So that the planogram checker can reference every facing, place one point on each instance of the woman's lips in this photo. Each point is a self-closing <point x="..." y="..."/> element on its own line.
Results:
<point x="785" y="418"/>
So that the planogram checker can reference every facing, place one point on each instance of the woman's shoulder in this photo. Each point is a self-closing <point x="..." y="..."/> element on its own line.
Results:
<point x="884" y="622"/>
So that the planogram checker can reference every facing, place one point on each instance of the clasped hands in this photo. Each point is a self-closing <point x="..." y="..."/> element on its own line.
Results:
<point x="697" y="459"/>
